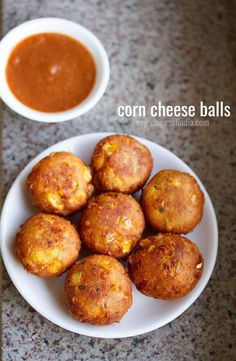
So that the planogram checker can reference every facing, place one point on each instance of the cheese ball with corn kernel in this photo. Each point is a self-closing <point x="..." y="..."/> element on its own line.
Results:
<point x="98" y="290"/>
<point x="47" y="245"/>
<point x="120" y="163"/>
<point x="166" y="266"/>
<point x="112" y="224"/>
<point x="60" y="183"/>
<point x="173" y="202"/>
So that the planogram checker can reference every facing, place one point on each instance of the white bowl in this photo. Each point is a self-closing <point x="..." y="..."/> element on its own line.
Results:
<point x="46" y="295"/>
<point x="54" y="25"/>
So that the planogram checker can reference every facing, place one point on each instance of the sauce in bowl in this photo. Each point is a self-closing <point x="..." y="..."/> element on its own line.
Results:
<point x="50" y="72"/>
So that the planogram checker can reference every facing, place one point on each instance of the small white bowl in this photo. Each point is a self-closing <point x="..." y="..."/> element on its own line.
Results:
<point x="66" y="27"/>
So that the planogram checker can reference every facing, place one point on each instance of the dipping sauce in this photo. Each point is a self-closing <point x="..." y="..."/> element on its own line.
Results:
<point x="50" y="72"/>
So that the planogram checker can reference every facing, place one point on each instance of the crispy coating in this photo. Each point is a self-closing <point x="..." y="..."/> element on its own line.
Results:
<point x="173" y="202"/>
<point x="98" y="290"/>
<point x="60" y="183"/>
<point x="47" y="245"/>
<point x="166" y="266"/>
<point x="112" y="224"/>
<point x="120" y="163"/>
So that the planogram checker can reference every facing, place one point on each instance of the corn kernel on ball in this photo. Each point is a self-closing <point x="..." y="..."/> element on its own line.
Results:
<point x="173" y="202"/>
<point x="166" y="266"/>
<point x="120" y="163"/>
<point x="60" y="183"/>
<point x="98" y="290"/>
<point x="112" y="224"/>
<point x="47" y="245"/>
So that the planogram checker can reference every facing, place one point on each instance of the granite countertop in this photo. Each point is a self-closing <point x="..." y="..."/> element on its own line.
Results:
<point x="178" y="52"/>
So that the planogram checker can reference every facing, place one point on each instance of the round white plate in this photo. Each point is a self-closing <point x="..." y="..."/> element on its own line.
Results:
<point x="46" y="295"/>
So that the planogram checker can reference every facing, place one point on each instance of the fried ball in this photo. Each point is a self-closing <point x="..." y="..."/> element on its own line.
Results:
<point x="47" y="245"/>
<point x="166" y="266"/>
<point x="112" y="224"/>
<point x="121" y="163"/>
<point x="98" y="290"/>
<point x="60" y="183"/>
<point x="173" y="202"/>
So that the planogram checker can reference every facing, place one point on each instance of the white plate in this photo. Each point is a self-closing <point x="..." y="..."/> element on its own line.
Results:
<point x="46" y="296"/>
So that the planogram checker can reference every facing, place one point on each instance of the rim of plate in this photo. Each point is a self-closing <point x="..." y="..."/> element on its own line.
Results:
<point x="186" y="304"/>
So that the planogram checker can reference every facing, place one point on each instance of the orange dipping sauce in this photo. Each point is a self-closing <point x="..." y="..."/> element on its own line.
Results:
<point x="50" y="72"/>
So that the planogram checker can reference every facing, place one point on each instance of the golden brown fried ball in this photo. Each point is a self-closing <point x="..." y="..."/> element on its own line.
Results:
<point x="166" y="266"/>
<point x="98" y="290"/>
<point x="112" y="224"/>
<point x="120" y="163"/>
<point x="60" y="183"/>
<point x="47" y="245"/>
<point x="173" y="202"/>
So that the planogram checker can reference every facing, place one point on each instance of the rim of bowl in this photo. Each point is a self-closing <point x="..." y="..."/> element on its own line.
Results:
<point x="54" y="25"/>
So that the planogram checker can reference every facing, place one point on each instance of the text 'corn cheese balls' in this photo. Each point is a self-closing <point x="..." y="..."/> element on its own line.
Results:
<point x="166" y="266"/>
<point x="173" y="202"/>
<point x="60" y="183"/>
<point x="98" y="290"/>
<point x="120" y="163"/>
<point x="47" y="245"/>
<point x="112" y="224"/>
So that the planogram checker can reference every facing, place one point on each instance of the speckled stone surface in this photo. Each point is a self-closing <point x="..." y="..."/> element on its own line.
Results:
<point x="179" y="52"/>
